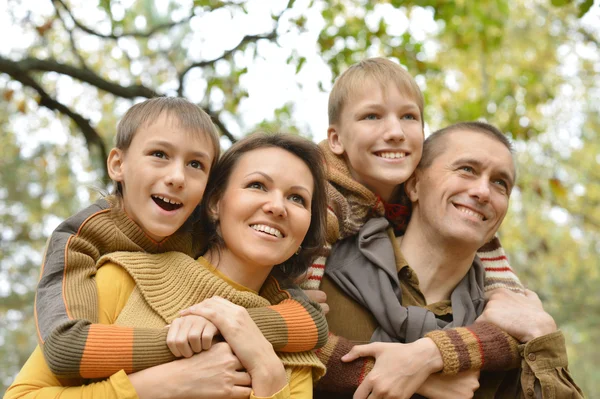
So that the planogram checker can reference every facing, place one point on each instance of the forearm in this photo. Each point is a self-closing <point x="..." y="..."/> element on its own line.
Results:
<point x="481" y="346"/>
<point x="293" y="323"/>
<point x="342" y="377"/>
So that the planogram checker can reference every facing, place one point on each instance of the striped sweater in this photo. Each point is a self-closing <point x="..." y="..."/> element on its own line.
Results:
<point x="350" y="205"/>
<point x="66" y="299"/>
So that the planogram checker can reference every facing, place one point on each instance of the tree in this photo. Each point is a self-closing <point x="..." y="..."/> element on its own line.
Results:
<point x="79" y="65"/>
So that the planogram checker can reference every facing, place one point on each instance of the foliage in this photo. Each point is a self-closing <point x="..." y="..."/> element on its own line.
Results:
<point x="529" y="66"/>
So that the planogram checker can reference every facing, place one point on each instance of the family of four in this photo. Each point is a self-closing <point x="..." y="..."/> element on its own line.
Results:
<point x="181" y="284"/>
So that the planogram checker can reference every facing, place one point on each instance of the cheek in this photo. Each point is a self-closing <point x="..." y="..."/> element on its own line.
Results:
<point x="302" y="224"/>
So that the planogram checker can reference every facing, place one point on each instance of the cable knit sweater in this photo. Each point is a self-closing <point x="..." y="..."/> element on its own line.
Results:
<point x="350" y="205"/>
<point x="66" y="301"/>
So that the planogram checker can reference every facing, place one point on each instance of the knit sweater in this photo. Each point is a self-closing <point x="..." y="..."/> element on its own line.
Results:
<point x="350" y="205"/>
<point x="66" y="300"/>
<point x="169" y="282"/>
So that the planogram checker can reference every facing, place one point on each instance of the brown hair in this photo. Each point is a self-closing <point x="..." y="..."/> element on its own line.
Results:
<point x="434" y="146"/>
<point x="187" y="115"/>
<point x="311" y="155"/>
<point x="379" y="70"/>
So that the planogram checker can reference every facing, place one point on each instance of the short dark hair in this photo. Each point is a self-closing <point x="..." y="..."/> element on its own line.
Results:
<point x="434" y="146"/>
<point x="311" y="155"/>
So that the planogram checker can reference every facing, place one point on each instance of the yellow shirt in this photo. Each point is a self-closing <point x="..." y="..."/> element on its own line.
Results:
<point x="35" y="380"/>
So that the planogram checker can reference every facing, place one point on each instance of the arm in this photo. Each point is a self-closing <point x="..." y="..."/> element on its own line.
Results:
<point x="543" y="353"/>
<point x="293" y="323"/>
<point x="67" y="300"/>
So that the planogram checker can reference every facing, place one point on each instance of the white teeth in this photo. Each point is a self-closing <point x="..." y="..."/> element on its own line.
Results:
<point x="392" y="155"/>
<point x="167" y="200"/>
<point x="470" y="212"/>
<point x="266" y="229"/>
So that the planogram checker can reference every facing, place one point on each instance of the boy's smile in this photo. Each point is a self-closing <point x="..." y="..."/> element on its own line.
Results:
<point x="163" y="175"/>
<point x="380" y="134"/>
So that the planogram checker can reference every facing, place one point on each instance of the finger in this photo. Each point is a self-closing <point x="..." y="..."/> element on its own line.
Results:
<point x="240" y="392"/>
<point x="171" y="336"/>
<point x="196" y="333"/>
<point x="358" y="351"/>
<point x="242" y="378"/>
<point x="182" y="340"/>
<point x="364" y="390"/>
<point x="325" y="308"/>
<point x="316" y="295"/>
<point x="208" y="334"/>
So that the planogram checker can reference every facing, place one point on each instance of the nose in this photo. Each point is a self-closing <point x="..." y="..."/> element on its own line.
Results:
<point x="394" y="130"/>
<point x="176" y="175"/>
<point x="275" y="204"/>
<point x="480" y="190"/>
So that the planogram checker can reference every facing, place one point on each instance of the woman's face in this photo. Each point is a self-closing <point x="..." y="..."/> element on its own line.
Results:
<point x="265" y="210"/>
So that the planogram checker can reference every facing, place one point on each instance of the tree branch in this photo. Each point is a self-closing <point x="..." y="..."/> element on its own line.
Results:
<point x="84" y="75"/>
<point x="219" y="123"/>
<point x="92" y="137"/>
<point x="137" y="35"/>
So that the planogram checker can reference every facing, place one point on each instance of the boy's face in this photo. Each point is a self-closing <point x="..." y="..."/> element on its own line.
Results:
<point x="380" y="134"/>
<point x="163" y="174"/>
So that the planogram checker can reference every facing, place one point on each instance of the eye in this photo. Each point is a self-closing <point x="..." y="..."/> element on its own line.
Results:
<point x="297" y="199"/>
<point x="468" y="169"/>
<point x="411" y="117"/>
<point x="158" y="154"/>
<point x="197" y="165"/>
<point x="371" y="117"/>
<point x="257" y="186"/>
<point x="501" y="183"/>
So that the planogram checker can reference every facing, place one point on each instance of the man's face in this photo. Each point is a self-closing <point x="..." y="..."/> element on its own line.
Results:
<point x="380" y="133"/>
<point x="463" y="196"/>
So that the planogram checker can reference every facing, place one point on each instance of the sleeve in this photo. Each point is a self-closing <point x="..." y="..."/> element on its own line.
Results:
<point x="341" y="377"/>
<point x="299" y="387"/>
<point x="481" y="346"/>
<point x="293" y="323"/>
<point x="35" y="380"/>
<point x="545" y="369"/>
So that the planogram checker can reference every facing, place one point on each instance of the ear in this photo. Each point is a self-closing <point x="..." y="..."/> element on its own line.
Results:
<point x="114" y="163"/>
<point x="333" y="138"/>
<point x="411" y="187"/>
<point x="213" y="209"/>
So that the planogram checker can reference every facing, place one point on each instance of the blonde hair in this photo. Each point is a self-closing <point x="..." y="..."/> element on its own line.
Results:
<point x="380" y="70"/>
<point x="187" y="115"/>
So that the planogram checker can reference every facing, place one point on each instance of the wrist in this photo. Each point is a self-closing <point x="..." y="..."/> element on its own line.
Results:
<point x="268" y="379"/>
<point x="433" y="355"/>
<point x="543" y="327"/>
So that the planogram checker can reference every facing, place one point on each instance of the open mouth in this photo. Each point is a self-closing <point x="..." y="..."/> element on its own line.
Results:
<point x="470" y="212"/>
<point x="267" y="230"/>
<point x="165" y="203"/>
<point x="391" y="154"/>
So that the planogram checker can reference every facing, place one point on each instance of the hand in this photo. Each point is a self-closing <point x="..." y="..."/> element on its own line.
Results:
<point x="319" y="297"/>
<point x="247" y="342"/>
<point x="521" y="316"/>
<point x="399" y="368"/>
<point x="459" y="386"/>
<point x="190" y="334"/>
<point x="213" y="374"/>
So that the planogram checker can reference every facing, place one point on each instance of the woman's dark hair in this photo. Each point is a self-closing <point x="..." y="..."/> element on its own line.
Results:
<point x="311" y="155"/>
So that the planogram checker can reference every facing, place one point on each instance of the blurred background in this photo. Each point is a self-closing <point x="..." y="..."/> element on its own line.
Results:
<point x="69" y="69"/>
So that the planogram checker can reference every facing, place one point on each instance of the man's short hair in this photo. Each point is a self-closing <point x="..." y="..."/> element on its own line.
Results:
<point x="379" y="70"/>
<point x="434" y="144"/>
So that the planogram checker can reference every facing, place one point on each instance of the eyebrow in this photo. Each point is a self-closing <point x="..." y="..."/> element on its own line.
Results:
<point x="472" y="161"/>
<point x="169" y="145"/>
<point x="270" y="179"/>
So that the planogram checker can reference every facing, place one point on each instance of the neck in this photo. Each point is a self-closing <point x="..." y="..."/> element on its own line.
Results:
<point x="439" y="265"/>
<point x="243" y="272"/>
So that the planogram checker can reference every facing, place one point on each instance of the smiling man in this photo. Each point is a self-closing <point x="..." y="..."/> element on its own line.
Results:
<point x="431" y="278"/>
